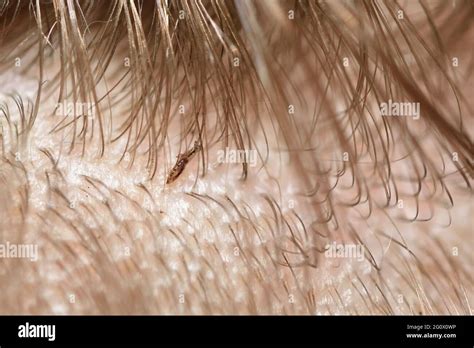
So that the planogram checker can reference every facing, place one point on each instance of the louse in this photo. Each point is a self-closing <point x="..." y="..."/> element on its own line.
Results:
<point x="181" y="161"/>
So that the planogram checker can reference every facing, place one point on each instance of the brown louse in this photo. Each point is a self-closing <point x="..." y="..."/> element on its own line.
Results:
<point x="181" y="161"/>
